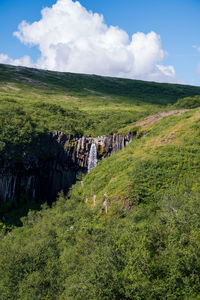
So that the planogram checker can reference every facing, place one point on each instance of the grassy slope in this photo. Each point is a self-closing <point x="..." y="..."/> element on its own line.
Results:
<point x="79" y="84"/>
<point x="146" y="247"/>
<point x="168" y="153"/>
<point x="34" y="101"/>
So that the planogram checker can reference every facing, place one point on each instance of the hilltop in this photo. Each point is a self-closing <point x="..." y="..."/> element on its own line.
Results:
<point x="94" y="85"/>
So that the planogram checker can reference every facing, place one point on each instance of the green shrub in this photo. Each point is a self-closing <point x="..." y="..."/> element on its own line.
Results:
<point x="188" y="102"/>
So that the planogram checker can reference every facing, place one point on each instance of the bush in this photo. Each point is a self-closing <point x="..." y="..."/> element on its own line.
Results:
<point x="188" y="102"/>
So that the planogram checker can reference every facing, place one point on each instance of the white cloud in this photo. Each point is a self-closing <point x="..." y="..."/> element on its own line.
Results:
<point x="23" y="61"/>
<point x="72" y="39"/>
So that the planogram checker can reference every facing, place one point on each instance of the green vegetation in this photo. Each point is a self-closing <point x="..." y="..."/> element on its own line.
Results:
<point x="147" y="245"/>
<point x="30" y="107"/>
<point x="36" y="101"/>
<point x="188" y="102"/>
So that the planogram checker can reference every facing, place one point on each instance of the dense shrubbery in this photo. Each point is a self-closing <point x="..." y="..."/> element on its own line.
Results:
<point x="188" y="102"/>
<point x="69" y="252"/>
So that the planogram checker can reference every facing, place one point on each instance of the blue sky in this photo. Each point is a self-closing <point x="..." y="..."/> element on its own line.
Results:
<point x="177" y="22"/>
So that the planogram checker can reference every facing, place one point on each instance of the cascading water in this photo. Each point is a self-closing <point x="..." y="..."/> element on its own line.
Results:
<point x="92" y="161"/>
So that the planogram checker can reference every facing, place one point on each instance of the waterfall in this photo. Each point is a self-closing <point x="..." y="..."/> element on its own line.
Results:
<point x="92" y="161"/>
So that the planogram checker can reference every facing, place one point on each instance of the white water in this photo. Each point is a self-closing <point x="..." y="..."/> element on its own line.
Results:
<point x="92" y="161"/>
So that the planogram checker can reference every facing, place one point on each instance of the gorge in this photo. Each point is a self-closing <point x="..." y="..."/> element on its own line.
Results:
<point x="53" y="166"/>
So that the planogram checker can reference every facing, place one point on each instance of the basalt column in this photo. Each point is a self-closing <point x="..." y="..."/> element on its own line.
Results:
<point x="41" y="174"/>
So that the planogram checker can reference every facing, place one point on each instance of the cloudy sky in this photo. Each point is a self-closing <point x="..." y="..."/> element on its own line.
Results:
<point x="141" y="39"/>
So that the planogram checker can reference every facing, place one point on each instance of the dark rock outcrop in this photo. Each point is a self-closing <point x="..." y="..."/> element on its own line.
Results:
<point x="40" y="175"/>
<point x="77" y="149"/>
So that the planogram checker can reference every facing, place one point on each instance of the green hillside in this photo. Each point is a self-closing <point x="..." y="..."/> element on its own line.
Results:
<point x="83" y="85"/>
<point x="145" y="247"/>
<point x="130" y="229"/>
<point x="35" y="101"/>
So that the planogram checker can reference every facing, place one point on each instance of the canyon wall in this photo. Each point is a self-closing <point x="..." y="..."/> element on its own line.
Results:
<point x="54" y="167"/>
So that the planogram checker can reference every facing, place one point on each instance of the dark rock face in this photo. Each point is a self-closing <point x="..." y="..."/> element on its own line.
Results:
<point x="41" y="176"/>
<point x="77" y="149"/>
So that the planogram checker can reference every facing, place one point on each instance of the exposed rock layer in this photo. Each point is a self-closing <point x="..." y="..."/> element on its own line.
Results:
<point x="77" y="149"/>
<point x="40" y="177"/>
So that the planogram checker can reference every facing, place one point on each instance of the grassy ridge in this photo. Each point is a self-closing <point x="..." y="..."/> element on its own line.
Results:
<point x="80" y="84"/>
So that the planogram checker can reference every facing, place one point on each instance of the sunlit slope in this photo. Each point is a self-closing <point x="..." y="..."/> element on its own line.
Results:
<point x="36" y="105"/>
<point x="163" y="154"/>
<point x="34" y="101"/>
<point x="149" y="92"/>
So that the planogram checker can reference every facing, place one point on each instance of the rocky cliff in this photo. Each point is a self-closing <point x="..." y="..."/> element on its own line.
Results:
<point x="54" y="167"/>
<point x="77" y="149"/>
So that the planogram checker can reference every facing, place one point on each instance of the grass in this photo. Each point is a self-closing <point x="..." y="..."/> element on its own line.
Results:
<point x="37" y="101"/>
<point x="92" y="85"/>
<point x="171" y="144"/>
